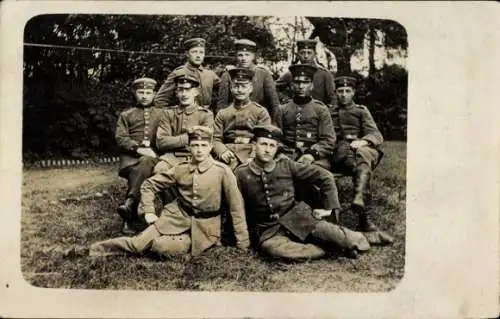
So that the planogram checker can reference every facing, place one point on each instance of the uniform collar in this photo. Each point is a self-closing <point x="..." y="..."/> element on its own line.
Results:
<point x="268" y="169"/>
<point x="352" y="104"/>
<point x="189" y="66"/>
<point x="241" y="106"/>
<point x="188" y="109"/>
<point x="203" y="166"/>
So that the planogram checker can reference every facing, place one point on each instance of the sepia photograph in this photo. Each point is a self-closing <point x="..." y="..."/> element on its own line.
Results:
<point x="147" y="140"/>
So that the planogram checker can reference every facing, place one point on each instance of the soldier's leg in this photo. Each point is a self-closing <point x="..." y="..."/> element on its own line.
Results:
<point x="281" y="246"/>
<point x="167" y="245"/>
<point x="333" y="236"/>
<point x="169" y="194"/>
<point x="120" y="245"/>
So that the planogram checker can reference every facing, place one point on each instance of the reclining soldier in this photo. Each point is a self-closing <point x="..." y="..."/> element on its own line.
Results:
<point x="279" y="225"/>
<point x="191" y="223"/>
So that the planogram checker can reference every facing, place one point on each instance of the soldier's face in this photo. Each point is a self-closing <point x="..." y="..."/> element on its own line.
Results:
<point x="186" y="94"/>
<point x="265" y="149"/>
<point x="196" y="55"/>
<point x="302" y="86"/>
<point x="241" y="90"/>
<point x="144" y="96"/>
<point x="245" y="58"/>
<point x="200" y="150"/>
<point x="345" y="94"/>
<point x="306" y="55"/>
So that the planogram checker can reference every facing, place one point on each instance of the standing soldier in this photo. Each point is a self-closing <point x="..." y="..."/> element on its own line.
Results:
<point x="281" y="226"/>
<point x="264" y="87"/>
<point x="193" y="221"/>
<point x="323" y="81"/>
<point x="308" y="132"/>
<point x="233" y="125"/>
<point x="358" y="148"/>
<point x="136" y="138"/>
<point x="195" y="51"/>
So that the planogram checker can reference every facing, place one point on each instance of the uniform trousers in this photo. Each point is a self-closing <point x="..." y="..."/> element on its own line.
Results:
<point x="136" y="174"/>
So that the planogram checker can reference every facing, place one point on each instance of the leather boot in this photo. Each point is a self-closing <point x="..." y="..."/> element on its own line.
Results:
<point x="361" y="186"/>
<point x="127" y="210"/>
<point x="341" y="237"/>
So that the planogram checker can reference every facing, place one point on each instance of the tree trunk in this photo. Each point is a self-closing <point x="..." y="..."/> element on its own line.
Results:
<point x="371" y="50"/>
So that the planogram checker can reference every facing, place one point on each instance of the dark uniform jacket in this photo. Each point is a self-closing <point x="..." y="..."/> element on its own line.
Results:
<point x="134" y="126"/>
<point x="269" y="195"/>
<point x="307" y="128"/>
<point x="323" y="85"/>
<point x="165" y="97"/>
<point x="356" y="122"/>
<point x="172" y="137"/>
<point x="235" y="123"/>
<point x="264" y="90"/>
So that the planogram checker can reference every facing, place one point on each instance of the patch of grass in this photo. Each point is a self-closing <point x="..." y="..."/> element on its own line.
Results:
<point x="50" y="227"/>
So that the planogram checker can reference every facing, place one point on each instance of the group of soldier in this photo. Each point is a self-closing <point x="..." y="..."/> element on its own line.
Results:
<point x="218" y="150"/>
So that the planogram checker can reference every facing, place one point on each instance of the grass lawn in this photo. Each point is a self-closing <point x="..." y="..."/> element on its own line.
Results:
<point x="74" y="207"/>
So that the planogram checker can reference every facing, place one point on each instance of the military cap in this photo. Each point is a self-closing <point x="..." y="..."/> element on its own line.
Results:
<point x="186" y="80"/>
<point x="306" y="44"/>
<point x="241" y="74"/>
<point x="200" y="133"/>
<point x="267" y="131"/>
<point x="143" y="83"/>
<point x="345" y="81"/>
<point x="306" y="70"/>
<point x="194" y="42"/>
<point x="245" y="45"/>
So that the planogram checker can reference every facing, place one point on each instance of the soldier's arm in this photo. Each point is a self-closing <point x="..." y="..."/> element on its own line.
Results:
<point x="271" y="95"/>
<point x="153" y="185"/>
<point x="263" y="117"/>
<point x="320" y="177"/>
<point x="219" y="147"/>
<point x="370" y="129"/>
<point x="236" y="208"/>
<point x="122" y="136"/>
<point x="278" y="117"/>
<point x="165" y="141"/>
<point x="165" y="95"/>
<point x="326" y="135"/>
<point x="224" y="92"/>
<point x="208" y="119"/>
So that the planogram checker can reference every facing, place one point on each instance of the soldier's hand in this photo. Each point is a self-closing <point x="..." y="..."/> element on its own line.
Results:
<point x="358" y="143"/>
<point x="227" y="156"/>
<point x="146" y="151"/>
<point x="306" y="159"/>
<point x="320" y="213"/>
<point x="150" y="218"/>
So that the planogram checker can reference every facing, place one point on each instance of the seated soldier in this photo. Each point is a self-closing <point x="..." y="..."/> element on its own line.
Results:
<point x="357" y="151"/>
<point x="308" y="132"/>
<point x="233" y="125"/>
<point x="135" y="136"/>
<point x="281" y="226"/>
<point x="193" y="221"/>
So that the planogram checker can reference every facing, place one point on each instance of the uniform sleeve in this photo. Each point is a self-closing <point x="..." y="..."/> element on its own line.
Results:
<point x="263" y="117"/>
<point x="164" y="139"/>
<point x="153" y="185"/>
<point x="219" y="147"/>
<point x="208" y="119"/>
<point x="165" y="95"/>
<point x="326" y="134"/>
<point x="331" y="97"/>
<point x="122" y="136"/>
<point x="271" y="95"/>
<point x="236" y="208"/>
<point x="305" y="174"/>
<point x="370" y="129"/>
<point x="278" y="117"/>
<point x="224" y="92"/>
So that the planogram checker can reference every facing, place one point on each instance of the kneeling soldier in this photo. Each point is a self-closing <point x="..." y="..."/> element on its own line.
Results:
<point x="135" y="136"/>
<point x="193" y="221"/>
<point x="233" y="125"/>
<point x="283" y="227"/>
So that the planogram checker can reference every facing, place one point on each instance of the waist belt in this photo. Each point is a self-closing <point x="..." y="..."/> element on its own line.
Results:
<point x="298" y="144"/>
<point x="192" y="211"/>
<point x="237" y="140"/>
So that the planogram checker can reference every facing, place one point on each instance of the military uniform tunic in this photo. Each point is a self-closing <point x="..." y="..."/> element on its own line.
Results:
<point x="165" y="97"/>
<point x="307" y="129"/>
<point x="172" y="137"/>
<point x="264" y="90"/>
<point x="233" y="129"/>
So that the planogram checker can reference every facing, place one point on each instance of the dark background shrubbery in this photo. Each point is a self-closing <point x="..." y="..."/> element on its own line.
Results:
<point x="72" y="98"/>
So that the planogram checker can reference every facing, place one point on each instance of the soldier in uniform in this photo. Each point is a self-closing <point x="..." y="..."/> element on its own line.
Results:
<point x="264" y="87"/>
<point x="195" y="51"/>
<point x="233" y="125"/>
<point x="323" y="80"/>
<point x="308" y="132"/>
<point x="280" y="225"/>
<point x="135" y="135"/>
<point x="192" y="223"/>
<point x="357" y="149"/>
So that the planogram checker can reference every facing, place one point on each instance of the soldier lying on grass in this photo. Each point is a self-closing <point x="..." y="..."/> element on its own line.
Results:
<point x="191" y="223"/>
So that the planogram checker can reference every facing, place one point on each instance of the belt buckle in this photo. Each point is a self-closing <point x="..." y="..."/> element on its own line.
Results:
<point x="146" y="143"/>
<point x="274" y="216"/>
<point x="299" y="144"/>
<point x="351" y="137"/>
